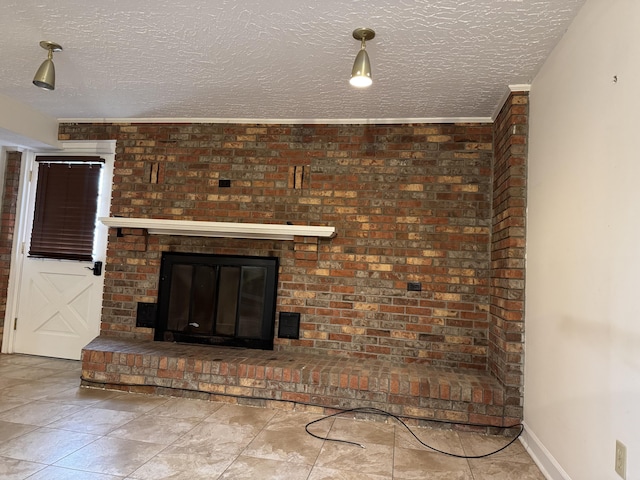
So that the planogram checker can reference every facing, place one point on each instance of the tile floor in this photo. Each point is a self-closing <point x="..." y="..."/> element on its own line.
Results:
<point x="51" y="429"/>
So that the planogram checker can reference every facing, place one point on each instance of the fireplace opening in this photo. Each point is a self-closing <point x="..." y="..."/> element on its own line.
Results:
<point x="217" y="300"/>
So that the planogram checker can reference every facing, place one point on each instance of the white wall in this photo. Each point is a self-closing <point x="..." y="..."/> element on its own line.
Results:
<point x="22" y="126"/>
<point x="582" y="364"/>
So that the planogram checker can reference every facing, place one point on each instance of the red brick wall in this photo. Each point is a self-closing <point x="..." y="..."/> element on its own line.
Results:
<point x="7" y="226"/>
<point x="410" y="203"/>
<point x="506" y="330"/>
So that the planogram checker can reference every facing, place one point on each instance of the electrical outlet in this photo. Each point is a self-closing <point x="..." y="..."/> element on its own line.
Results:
<point x="621" y="459"/>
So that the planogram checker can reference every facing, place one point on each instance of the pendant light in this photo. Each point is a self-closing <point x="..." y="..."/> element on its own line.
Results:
<point x="46" y="75"/>
<point x="361" y="71"/>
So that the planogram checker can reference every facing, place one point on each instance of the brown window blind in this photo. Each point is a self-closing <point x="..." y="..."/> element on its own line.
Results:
<point x="65" y="207"/>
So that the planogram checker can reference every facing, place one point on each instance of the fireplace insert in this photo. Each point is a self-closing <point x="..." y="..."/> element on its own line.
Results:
<point x="217" y="300"/>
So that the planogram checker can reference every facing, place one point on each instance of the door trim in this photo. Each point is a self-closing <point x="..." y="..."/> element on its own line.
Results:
<point x="106" y="149"/>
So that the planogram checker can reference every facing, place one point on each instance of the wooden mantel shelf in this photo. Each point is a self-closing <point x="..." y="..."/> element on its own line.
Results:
<point x="264" y="231"/>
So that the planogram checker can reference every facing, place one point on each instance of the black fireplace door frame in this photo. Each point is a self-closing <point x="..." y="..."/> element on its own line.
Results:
<point x="221" y="270"/>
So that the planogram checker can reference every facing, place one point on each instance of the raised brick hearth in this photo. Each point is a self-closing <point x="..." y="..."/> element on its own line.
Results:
<point x="293" y="380"/>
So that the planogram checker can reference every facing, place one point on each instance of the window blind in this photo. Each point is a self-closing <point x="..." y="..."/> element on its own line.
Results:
<point x="65" y="207"/>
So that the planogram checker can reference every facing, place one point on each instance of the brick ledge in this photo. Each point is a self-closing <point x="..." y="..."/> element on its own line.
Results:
<point x="272" y="377"/>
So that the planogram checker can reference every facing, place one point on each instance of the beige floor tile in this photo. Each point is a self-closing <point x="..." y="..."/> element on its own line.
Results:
<point x="10" y="430"/>
<point x="97" y="421"/>
<point x="496" y="469"/>
<point x="8" y="368"/>
<point x="287" y="419"/>
<point x="177" y="464"/>
<point x="19" y="359"/>
<point x="71" y="376"/>
<point x="80" y="396"/>
<point x="376" y="459"/>
<point x="162" y="430"/>
<point x="132" y="402"/>
<point x="475" y="444"/>
<point x="209" y="437"/>
<point x="290" y="444"/>
<point x="10" y="382"/>
<point x="12" y="469"/>
<point x="34" y="390"/>
<point x="363" y="432"/>
<point x="250" y="468"/>
<point x="28" y="373"/>
<point x="59" y="473"/>
<point x="113" y="456"/>
<point x="62" y="364"/>
<point x="45" y="445"/>
<point x="64" y="381"/>
<point x="186" y="408"/>
<point x="411" y="464"/>
<point x="325" y="473"/>
<point x="443" y="440"/>
<point x="242" y="415"/>
<point x="38" y="413"/>
<point x="297" y="421"/>
<point x="7" y="403"/>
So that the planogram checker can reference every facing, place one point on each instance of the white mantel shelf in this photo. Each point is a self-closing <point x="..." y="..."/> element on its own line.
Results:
<point x="263" y="231"/>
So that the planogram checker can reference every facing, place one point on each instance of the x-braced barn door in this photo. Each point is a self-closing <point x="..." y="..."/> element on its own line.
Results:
<point x="60" y="290"/>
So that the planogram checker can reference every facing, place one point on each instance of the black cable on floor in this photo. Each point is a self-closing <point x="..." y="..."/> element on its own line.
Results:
<point x="377" y="411"/>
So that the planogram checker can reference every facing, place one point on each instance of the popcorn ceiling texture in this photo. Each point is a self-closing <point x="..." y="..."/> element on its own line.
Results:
<point x="282" y="59"/>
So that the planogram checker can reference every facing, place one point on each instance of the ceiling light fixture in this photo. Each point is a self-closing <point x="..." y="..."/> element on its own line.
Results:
<point x="46" y="74"/>
<point x="361" y="71"/>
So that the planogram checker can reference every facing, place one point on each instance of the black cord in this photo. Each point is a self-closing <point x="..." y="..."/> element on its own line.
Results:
<point x="377" y="411"/>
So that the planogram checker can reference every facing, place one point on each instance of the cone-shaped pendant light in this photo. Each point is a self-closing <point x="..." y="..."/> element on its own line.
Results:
<point x="46" y="75"/>
<point x="361" y="71"/>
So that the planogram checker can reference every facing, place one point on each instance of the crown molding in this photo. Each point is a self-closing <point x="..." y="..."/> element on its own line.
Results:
<point x="520" y="87"/>
<point x="283" y="121"/>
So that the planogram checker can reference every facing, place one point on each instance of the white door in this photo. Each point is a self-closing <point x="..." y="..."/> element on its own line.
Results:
<point x="59" y="302"/>
<point x="58" y="309"/>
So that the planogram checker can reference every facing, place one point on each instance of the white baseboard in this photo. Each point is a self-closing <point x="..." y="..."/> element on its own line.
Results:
<point x="548" y="465"/>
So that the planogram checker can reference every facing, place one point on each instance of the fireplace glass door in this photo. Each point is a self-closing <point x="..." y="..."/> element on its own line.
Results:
<point x="218" y="300"/>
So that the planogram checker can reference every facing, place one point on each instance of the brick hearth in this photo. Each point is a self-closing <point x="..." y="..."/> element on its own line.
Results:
<point x="294" y="380"/>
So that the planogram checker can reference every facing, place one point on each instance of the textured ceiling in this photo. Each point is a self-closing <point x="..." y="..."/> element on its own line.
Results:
<point x="276" y="59"/>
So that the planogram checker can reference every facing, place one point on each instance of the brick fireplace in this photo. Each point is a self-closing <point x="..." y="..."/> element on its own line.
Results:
<point x="438" y="208"/>
<point x="408" y="203"/>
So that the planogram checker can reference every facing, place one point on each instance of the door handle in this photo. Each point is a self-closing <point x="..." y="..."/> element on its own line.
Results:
<point x="97" y="268"/>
